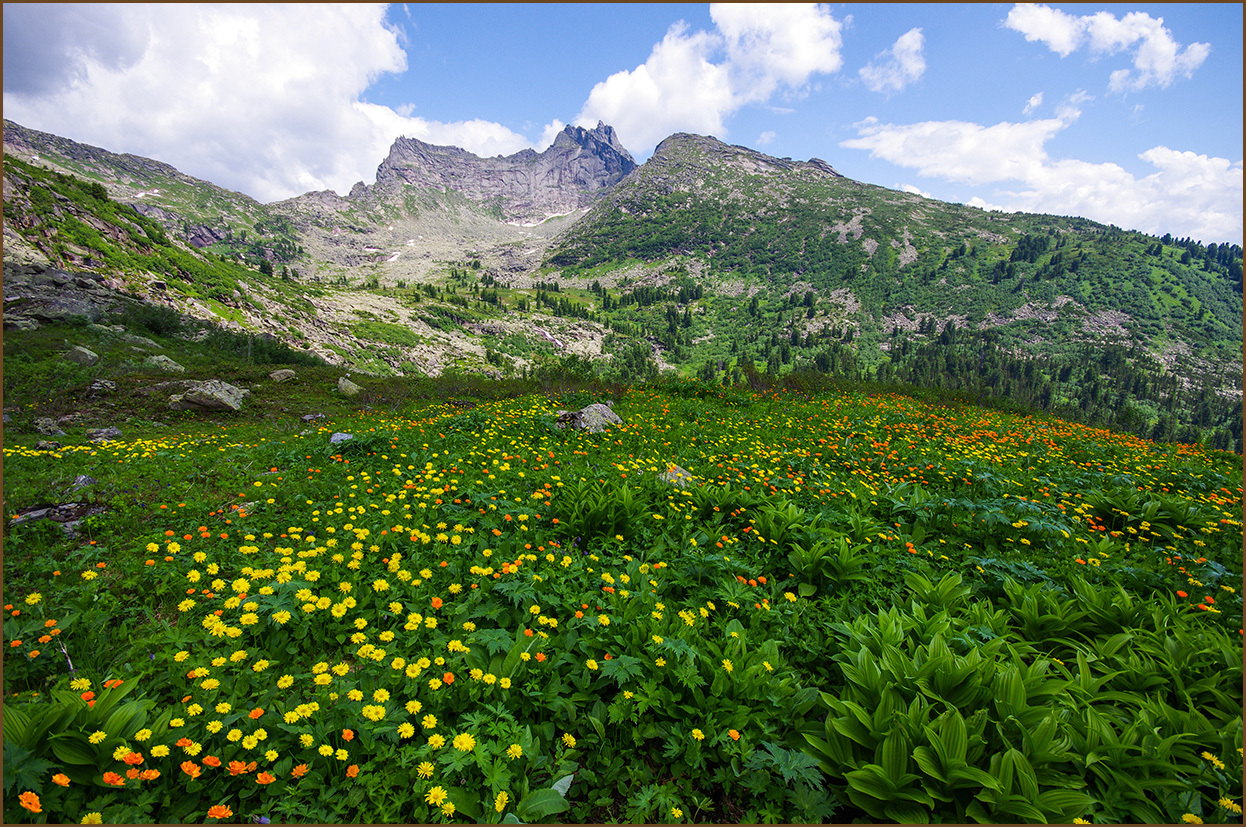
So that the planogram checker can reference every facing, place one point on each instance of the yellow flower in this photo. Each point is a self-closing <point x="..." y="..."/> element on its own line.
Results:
<point x="448" y="808"/>
<point x="568" y="739"/>
<point x="97" y="736"/>
<point x="142" y="735"/>
<point x="660" y="662"/>
<point x="92" y="818"/>
<point x="435" y="796"/>
<point x="591" y="664"/>
<point x="425" y="770"/>
<point x="464" y="742"/>
<point x="1190" y="818"/>
<point x="727" y="665"/>
<point x="676" y="812"/>
<point x="405" y="730"/>
<point x="514" y="751"/>
<point x="499" y="803"/>
<point x="325" y="750"/>
<point x="160" y="751"/>
<point x="698" y="734"/>
<point x="429" y="722"/>
<point x="436" y="741"/>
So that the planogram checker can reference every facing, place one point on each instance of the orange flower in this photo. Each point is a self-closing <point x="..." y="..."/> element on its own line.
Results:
<point x="211" y="760"/>
<point x="352" y="771"/>
<point x="219" y="811"/>
<point x="254" y="714"/>
<point x="112" y="683"/>
<point x="30" y="801"/>
<point x="86" y="696"/>
<point x="236" y="767"/>
<point x="183" y="742"/>
<point x="150" y="775"/>
<point x="735" y="735"/>
<point x="437" y="603"/>
<point x="348" y="735"/>
<point x="540" y="657"/>
<point x="300" y="771"/>
<point x="448" y="677"/>
<point x="1182" y="594"/>
<point x="114" y="779"/>
<point x="191" y="768"/>
<point x="527" y="633"/>
<point x="133" y="758"/>
<point x="60" y="779"/>
<point x="132" y="773"/>
<point x="265" y="778"/>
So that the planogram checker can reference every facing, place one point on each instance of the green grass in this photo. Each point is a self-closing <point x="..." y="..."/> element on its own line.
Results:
<point x="865" y="606"/>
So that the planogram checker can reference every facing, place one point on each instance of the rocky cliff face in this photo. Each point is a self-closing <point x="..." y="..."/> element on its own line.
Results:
<point x="524" y="187"/>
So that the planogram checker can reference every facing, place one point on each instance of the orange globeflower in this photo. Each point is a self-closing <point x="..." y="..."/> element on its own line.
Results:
<point x="265" y="778"/>
<point x="190" y="768"/>
<point x="448" y="677"/>
<point x="115" y="780"/>
<point x="540" y="657"/>
<point x="236" y="767"/>
<point x="60" y="779"/>
<point x="219" y="811"/>
<point x="30" y="801"/>
<point x="437" y="604"/>
<point x="352" y="771"/>
<point x="348" y="735"/>
<point x="254" y="714"/>
<point x="300" y="771"/>
<point x="86" y="696"/>
<point x="211" y="760"/>
<point x="132" y="773"/>
<point x="1182" y="594"/>
<point x="735" y="735"/>
<point x="133" y="758"/>
<point x="150" y="775"/>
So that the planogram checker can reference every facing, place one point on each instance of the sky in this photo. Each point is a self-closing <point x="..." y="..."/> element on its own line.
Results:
<point x="1126" y="114"/>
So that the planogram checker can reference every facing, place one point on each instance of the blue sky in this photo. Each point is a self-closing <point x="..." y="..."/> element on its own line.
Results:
<point x="1127" y="114"/>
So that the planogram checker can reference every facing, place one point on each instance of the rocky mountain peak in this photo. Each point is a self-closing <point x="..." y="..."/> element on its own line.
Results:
<point x="529" y="186"/>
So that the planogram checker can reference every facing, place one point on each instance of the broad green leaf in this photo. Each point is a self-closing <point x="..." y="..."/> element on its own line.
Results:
<point x="540" y="803"/>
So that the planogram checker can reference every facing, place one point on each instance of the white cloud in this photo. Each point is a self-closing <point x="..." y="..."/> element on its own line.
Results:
<point x="241" y="95"/>
<point x="1035" y="101"/>
<point x="915" y="191"/>
<point x="1188" y="194"/>
<point x="766" y="137"/>
<point x="692" y="81"/>
<point x="1158" y="59"/>
<point x="893" y="69"/>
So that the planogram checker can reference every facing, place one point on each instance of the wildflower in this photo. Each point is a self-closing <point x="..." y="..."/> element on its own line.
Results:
<point x="300" y="771"/>
<point x="211" y="760"/>
<point x="265" y="778"/>
<point x="425" y="770"/>
<point x="30" y="801"/>
<point x="436" y="741"/>
<point x="1190" y="818"/>
<point x="464" y="742"/>
<point x="92" y="818"/>
<point x="448" y="808"/>
<point x="160" y="751"/>
<point x="735" y="734"/>
<point x="676" y="812"/>
<point x="97" y="736"/>
<point x="698" y="734"/>
<point x="514" y="751"/>
<point x="429" y="722"/>
<point x="591" y="664"/>
<point x="568" y="740"/>
<point x="1215" y="762"/>
<point x="1231" y="806"/>
<point x="728" y="666"/>
<point x="219" y="811"/>
<point x="499" y="803"/>
<point x="435" y="796"/>
<point x="191" y="768"/>
<point x="352" y="771"/>
<point x="60" y="779"/>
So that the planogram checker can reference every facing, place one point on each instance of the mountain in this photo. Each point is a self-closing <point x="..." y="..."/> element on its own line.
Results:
<point x="708" y="259"/>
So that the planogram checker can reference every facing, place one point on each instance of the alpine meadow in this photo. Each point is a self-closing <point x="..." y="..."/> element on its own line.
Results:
<point x="558" y="487"/>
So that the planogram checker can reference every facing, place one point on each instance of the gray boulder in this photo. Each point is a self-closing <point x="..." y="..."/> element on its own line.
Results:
<point x="283" y="375"/>
<point x="164" y="363"/>
<point x="140" y="341"/>
<point x="212" y="395"/>
<point x="81" y="356"/>
<point x="340" y="437"/>
<point x="48" y="427"/>
<point x="347" y="387"/>
<point x="102" y="386"/>
<point x="595" y="418"/>
<point x="103" y="434"/>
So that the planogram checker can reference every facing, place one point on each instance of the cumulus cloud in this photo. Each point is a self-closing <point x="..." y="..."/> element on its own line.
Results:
<point x="692" y="81"/>
<point x="909" y="188"/>
<point x="1158" y="59"/>
<point x="241" y="95"/>
<point x="766" y="137"/>
<point x="1035" y="101"/>
<point x="893" y="69"/>
<point x="1188" y="194"/>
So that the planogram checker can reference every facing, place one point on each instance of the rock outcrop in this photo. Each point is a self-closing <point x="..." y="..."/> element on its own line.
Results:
<point x="595" y="418"/>
<point x="211" y="395"/>
<point x="529" y="186"/>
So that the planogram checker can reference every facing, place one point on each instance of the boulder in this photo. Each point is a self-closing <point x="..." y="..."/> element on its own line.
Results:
<point x="340" y="437"/>
<point x="676" y="476"/>
<point x="283" y="375"/>
<point x="347" y="387"/>
<point x="103" y="434"/>
<point x="48" y="427"/>
<point x="140" y="341"/>
<point x="164" y="363"/>
<point x="81" y="356"/>
<point x="313" y="417"/>
<point x="595" y="418"/>
<point x="212" y="395"/>
<point x="19" y="323"/>
<point x="102" y="386"/>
